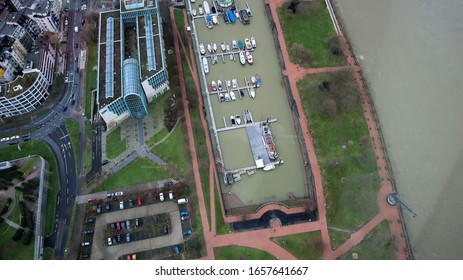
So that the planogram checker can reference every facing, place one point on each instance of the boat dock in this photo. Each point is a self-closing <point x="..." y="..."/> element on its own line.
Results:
<point x="234" y="52"/>
<point x="227" y="128"/>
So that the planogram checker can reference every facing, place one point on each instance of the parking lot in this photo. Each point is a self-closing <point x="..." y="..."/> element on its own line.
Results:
<point x="148" y="236"/>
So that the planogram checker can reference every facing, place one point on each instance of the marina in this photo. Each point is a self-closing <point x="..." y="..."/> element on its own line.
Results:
<point x="255" y="154"/>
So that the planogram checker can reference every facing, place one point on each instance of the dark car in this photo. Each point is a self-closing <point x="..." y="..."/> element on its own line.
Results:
<point x="84" y="256"/>
<point x="89" y="231"/>
<point x="99" y="209"/>
<point x="118" y="238"/>
<point x="113" y="226"/>
<point x="108" y="207"/>
<point x="90" y="220"/>
<point x="130" y="203"/>
<point x="168" y="184"/>
<point x="64" y="108"/>
<point x="165" y="229"/>
<point x="127" y="237"/>
<point x="76" y="45"/>
<point x="123" y="225"/>
<point x="187" y="232"/>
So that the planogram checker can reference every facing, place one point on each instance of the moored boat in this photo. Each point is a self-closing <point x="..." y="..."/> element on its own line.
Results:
<point x="227" y="48"/>
<point x="242" y="58"/>
<point x="200" y="10"/>
<point x="234" y="83"/>
<point x="193" y="12"/>
<point x="207" y="10"/>
<point x="233" y="120"/>
<point x="258" y="80"/>
<point x="227" y="96"/>
<point x="269" y="167"/>
<point x="232" y="95"/>
<point x="248" y="44"/>
<point x="253" y="80"/>
<point x="252" y="93"/>
<point x="209" y="48"/>
<point x="249" y="58"/>
<point x="232" y="57"/>
<point x="202" y="50"/>
<point x="269" y="142"/>
<point x="238" y="119"/>
<point x="219" y="84"/>
<point x="241" y="93"/>
<point x="213" y="86"/>
<point x="205" y="65"/>
<point x="240" y="45"/>
<point x="253" y="42"/>
<point x="214" y="47"/>
<point x="237" y="14"/>
<point x="208" y="19"/>
<point x="228" y="83"/>
<point x="234" y="44"/>
<point x="247" y="116"/>
<point x="215" y="59"/>
<point x="221" y="98"/>
<point x="222" y="46"/>
<point x="231" y="16"/>
<point x="215" y="20"/>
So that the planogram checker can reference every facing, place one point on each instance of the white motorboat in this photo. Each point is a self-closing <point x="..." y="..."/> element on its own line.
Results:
<point x="234" y="44"/>
<point x="237" y="14"/>
<point x="208" y="19"/>
<point x="269" y="167"/>
<point x="214" y="86"/>
<point x="221" y="97"/>
<point x="248" y="44"/>
<point x="242" y="58"/>
<point x="193" y="12"/>
<point x="214" y="47"/>
<point x="227" y="97"/>
<point x="215" y="20"/>
<point x="222" y="46"/>
<point x="247" y="116"/>
<point x="238" y="119"/>
<point x="227" y="48"/>
<point x="233" y="120"/>
<point x="205" y="65"/>
<point x="207" y="10"/>
<point x="232" y="95"/>
<point x="200" y="9"/>
<point x="209" y="48"/>
<point x="202" y="50"/>
<point x="253" y="42"/>
<point x="234" y="83"/>
<point x="219" y="84"/>
<point x="228" y="83"/>
<point x="253" y="80"/>
<point x="252" y="93"/>
<point x="249" y="57"/>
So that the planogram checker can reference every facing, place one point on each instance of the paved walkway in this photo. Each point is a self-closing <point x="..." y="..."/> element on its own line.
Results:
<point x="260" y="239"/>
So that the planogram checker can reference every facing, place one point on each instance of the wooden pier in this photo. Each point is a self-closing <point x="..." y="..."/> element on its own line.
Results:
<point x="227" y="128"/>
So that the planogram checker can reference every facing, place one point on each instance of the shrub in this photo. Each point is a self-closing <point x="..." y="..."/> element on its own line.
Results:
<point x="1" y="220"/>
<point x="334" y="45"/>
<point x="9" y="200"/>
<point x="301" y="55"/>
<point x="18" y="234"/>
<point x="4" y="209"/>
<point x="29" y="220"/>
<point x="27" y="237"/>
<point x="23" y="221"/>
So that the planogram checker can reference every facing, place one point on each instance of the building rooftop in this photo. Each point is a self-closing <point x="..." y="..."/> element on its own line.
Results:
<point x="19" y="85"/>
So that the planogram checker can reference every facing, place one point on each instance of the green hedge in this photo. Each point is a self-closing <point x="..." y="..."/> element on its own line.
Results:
<point x="18" y="234"/>
<point x="27" y="237"/>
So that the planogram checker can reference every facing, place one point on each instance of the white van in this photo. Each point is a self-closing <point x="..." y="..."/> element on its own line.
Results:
<point x="183" y="201"/>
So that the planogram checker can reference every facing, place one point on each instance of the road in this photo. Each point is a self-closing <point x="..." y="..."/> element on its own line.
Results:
<point x="51" y="129"/>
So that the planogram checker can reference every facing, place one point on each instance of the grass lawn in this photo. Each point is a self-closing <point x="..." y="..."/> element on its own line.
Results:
<point x="13" y="250"/>
<point x="91" y="77"/>
<point x="48" y="253"/>
<point x="29" y="165"/>
<point x="377" y="245"/>
<point x="337" y="238"/>
<point x="343" y="147"/>
<point x="73" y="128"/>
<point x="175" y="150"/>
<point x="42" y="149"/>
<point x="156" y="112"/>
<point x="141" y="170"/>
<point x="304" y="246"/>
<point x="88" y="147"/>
<point x="220" y="225"/>
<point x="158" y="136"/>
<point x="179" y="20"/>
<point x="114" y="144"/>
<point x="71" y="228"/>
<point x="241" y="253"/>
<point x="311" y="26"/>
<point x="15" y="215"/>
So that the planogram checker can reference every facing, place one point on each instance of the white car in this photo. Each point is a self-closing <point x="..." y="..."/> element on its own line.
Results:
<point x="161" y="197"/>
<point x="121" y="205"/>
<point x="110" y="242"/>
<point x="119" y="193"/>
<point x="171" y="195"/>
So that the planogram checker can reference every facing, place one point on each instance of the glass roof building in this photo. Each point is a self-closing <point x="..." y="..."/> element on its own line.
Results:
<point x="134" y="96"/>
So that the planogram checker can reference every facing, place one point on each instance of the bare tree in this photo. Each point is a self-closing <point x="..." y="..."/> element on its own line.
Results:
<point x="293" y="6"/>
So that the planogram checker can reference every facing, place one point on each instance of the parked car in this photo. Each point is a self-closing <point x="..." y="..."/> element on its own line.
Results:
<point x="108" y="207"/>
<point x="165" y="229"/>
<point x="118" y="238"/>
<point x="110" y="242"/>
<point x="168" y="184"/>
<point x="90" y="220"/>
<point x="89" y="231"/>
<point x="118" y="226"/>
<point x="113" y="226"/>
<point x="85" y="244"/>
<point x="184" y="218"/>
<point x="161" y="197"/>
<point x="184" y="213"/>
<point x="119" y="193"/>
<point x="127" y="237"/>
<point x="130" y="203"/>
<point x="127" y="223"/>
<point x="109" y="195"/>
<point x="187" y="232"/>
<point x="177" y="249"/>
<point x="129" y="257"/>
<point x="171" y="195"/>
<point x="84" y="256"/>
<point x="123" y="225"/>
<point x="99" y="209"/>
<point x="139" y="201"/>
<point x="121" y="205"/>
<point x="137" y="222"/>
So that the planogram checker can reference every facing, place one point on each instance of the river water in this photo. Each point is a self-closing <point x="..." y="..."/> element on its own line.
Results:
<point x="411" y="53"/>
<point x="271" y="101"/>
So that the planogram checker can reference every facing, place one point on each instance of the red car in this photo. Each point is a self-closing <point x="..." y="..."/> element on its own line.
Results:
<point x="118" y="226"/>
<point x="139" y="201"/>
<point x="129" y="257"/>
